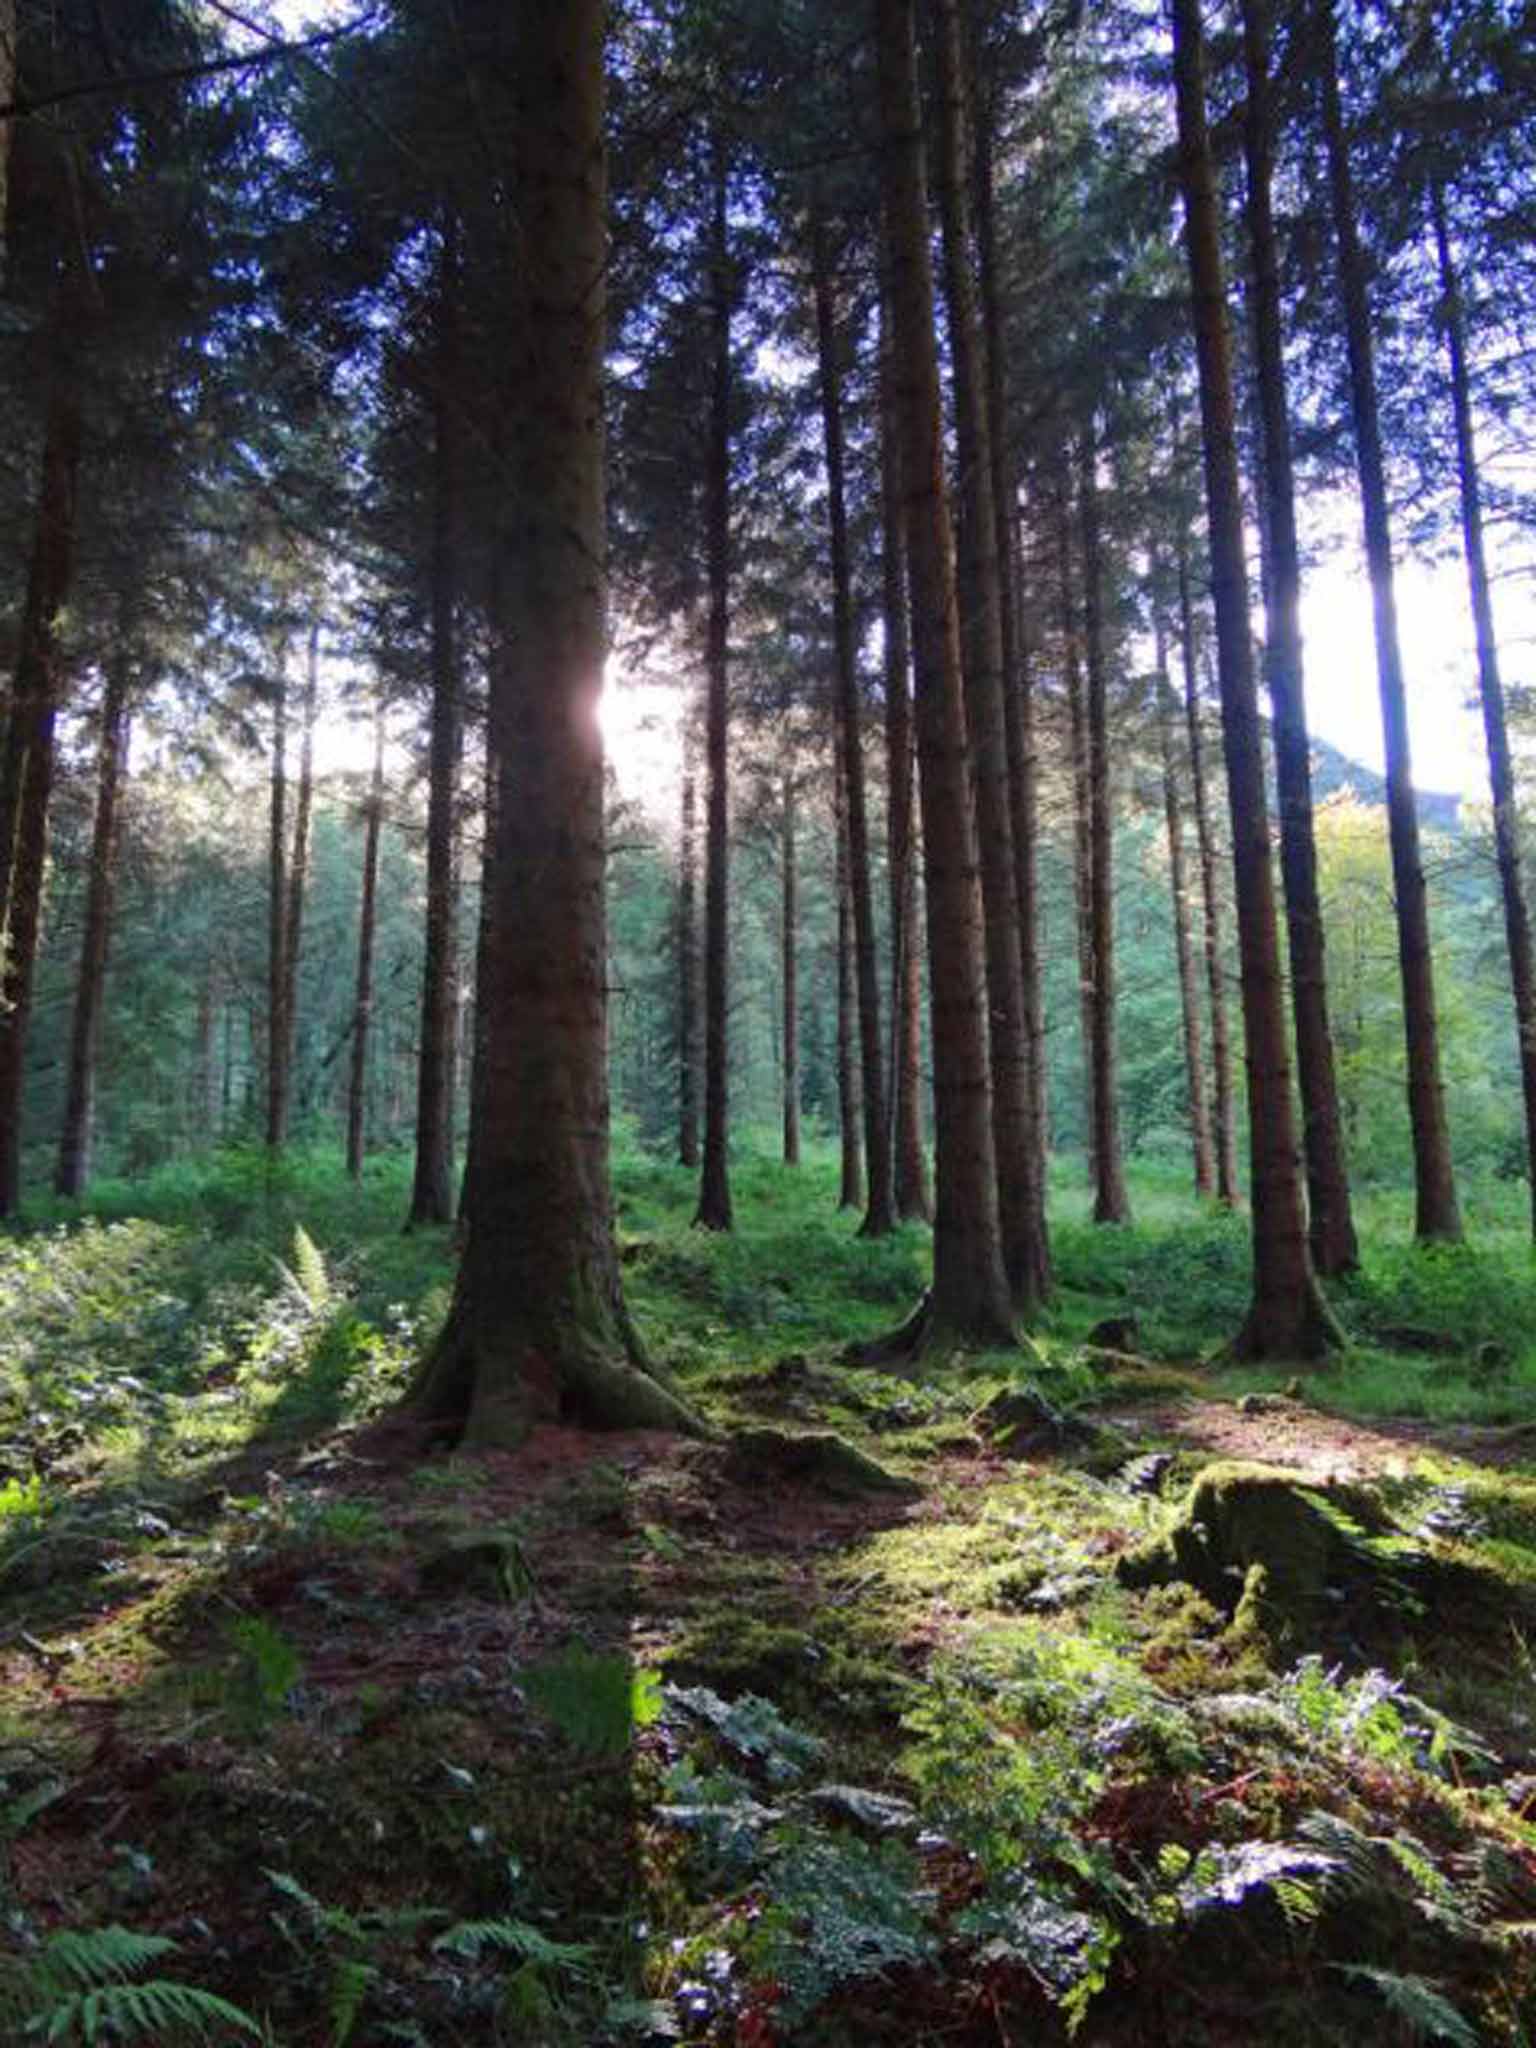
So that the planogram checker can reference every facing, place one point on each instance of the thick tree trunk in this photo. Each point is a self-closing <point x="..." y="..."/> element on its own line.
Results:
<point x="1189" y="991"/>
<point x="26" y="777"/>
<point x="714" y="1210"/>
<point x="74" y="1165"/>
<point x="909" y="1160"/>
<point x="850" y="1094"/>
<point x="1288" y="1317"/>
<point x="1437" y="1215"/>
<point x="688" y="972"/>
<point x="1331" y="1227"/>
<point x="367" y="920"/>
<point x="1082" y="821"/>
<point x="538" y="1326"/>
<point x="1021" y="1178"/>
<point x="1111" y="1200"/>
<point x="1223" y="1109"/>
<point x="432" y="1182"/>
<point x="1490" y="685"/>
<point x="970" y="1300"/>
<point x="880" y="1208"/>
<point x="789" y="958"/>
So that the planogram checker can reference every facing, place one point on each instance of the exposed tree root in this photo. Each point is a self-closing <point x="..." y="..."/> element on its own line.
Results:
<point x="924" y="1335"/>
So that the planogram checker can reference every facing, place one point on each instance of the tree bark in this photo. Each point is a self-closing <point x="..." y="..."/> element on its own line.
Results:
<point x="367" y="919"/>
<point x="432" y="1182"/>
<point x="687" y="972"/>
<point x="850" y="1094"/>
<point x="1178" y="883"/>
<point x="909" y="1160"/>
<point x="1331" y="1226"/>
<point x="1490" y="688"/>
<point x="298" y="866"/>
<point x="880" y="1206"/>
<point x="75" y="1137"/>
<point x="970" y="1300"/>
<point x="714" y="1210"/>
<point x="789" y="957"/>
<point x="1111" y="1200"/>
<point x="1082" y="818"/>
<point x="277" y="912"/>
<point x="1223" y="1109"/>
<point x="1436" y="1212"/>
<point x="26" y="778"/>
<point x="538" y="1327"/>
<point x="1288" y="1317"/>
<point x="1021" y="1178"/>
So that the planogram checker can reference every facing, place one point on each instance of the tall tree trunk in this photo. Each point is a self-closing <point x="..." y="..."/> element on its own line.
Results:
<point x="74" y="1164"/>
<point x="1111" y="1201"/>
<point x="367" y="920"/>
<point x="1082" y="820"/>
<point x="26" y="777"/>
<point x="1490" y="686"/>
<point x="1178" y="883"/>
<point x="687" y="972"/>
<point x="1288" y="1317"/>
<point x="789" y="957"/>
<point x="714" y="1210"/>
<point x="880" y="1209"/>
<point x="277" y="911"/>
<point x="850" y="1094"/>
<point x="970" y="1301"/>
<point x="538" y="1326"/>
<point x="1437" y="1215"/>
<point x="1331" y="1228"/>
<point x="298" y="865"/>
<point x="1223" y="1109"/>
<point x="432" y="1183"/>
<point x="1021" y="1178"/>
<point x="909" y="1161"/>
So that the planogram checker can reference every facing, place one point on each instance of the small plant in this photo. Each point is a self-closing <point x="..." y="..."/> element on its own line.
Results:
<point x="267" y="1668"/>
<point x="85" y="1986"/>
<point x="596" y="1698"/>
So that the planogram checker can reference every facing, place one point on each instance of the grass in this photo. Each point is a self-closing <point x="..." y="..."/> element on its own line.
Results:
<point x="741" y="1765"/>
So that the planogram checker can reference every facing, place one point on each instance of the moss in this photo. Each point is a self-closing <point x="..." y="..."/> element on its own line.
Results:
<point x="818" y="1458"/>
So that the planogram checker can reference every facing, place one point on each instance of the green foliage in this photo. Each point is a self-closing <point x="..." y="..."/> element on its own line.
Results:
<point x="1417" y="2006"/>
<point x="266" y="1669"/>
<point x="80" y="1986"/>
<point x="840" y="1910"/>
<point x="597" y="1699"/>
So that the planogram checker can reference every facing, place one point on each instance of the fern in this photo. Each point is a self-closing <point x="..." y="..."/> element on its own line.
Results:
<point x="471" y="1938"/>
<point x="596" y="1698"/>
<point x="313" y="1281"/>
<point x="1415" y="2003"/>
<point x="78" y="1987"/>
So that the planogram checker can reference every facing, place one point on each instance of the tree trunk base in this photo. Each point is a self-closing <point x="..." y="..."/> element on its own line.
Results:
<point x="926" y="1335"/>
<point x="1304" y="1332"/>
<point x="480" y="1395"/>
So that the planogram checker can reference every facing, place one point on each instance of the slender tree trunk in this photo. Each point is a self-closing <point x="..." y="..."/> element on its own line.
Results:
<point x="970" y="1301"/>
<point x="1189" y="990"/>
<point x="687" y="974"/>
<point x="1223" y="1111"/>
<point x="298" y="866"/>
<point x="910" y="1162"/>
<point x="1111" y="1201"/>
<point x="1288" y="1317"/>
<point x="1331" y="1228"/>
<point x="1437" y="1215"/>
<point x="277" y="912"/>
<point x="7" y="94"/>
<point x="26" y="777"/>
<point x="432" y="1184"/>
<point x="880" y="1209"/>
<point x="74" y="1165"/>
<point x="984" y="650"/>
<point x="714" y="1210"/>
<point x="789" y="955"/>
<point x="1082" y="824"/>
<point x="485" y="923"/>
<point x="367" y="919"/>
<point x="1490" y="685"/>
<point x="850" y="1093"/>
<point x="538" y="1326"/>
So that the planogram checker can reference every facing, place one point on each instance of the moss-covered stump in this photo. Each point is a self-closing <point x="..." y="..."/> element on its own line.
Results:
<point x="1278" y="1553"/>
<point x="1022" y="1423"/>
<point x="815" y="1458"/>
<point x="489" y="1565"/>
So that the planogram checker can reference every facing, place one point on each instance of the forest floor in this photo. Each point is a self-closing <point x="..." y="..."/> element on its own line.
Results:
<point x="630" y="1739"/>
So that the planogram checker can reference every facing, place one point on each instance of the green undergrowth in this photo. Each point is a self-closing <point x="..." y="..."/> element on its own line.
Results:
<point x="625" y="1742"/>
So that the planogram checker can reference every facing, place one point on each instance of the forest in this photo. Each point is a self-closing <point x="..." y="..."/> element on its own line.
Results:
<point x="767" y="1170"/>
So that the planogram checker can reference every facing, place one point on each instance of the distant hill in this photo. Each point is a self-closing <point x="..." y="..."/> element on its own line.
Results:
<point x="1333" y="771"/>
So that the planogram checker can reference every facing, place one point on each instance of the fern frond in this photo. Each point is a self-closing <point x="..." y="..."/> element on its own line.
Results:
<point x="96" y="1955"/>
<point x="1423" y="2012"/>
<point x="154" y="2012"/>
<point x="471" y="1938"/>
<point x="349" y="1987"/>
<point x="314" y="1282"/>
